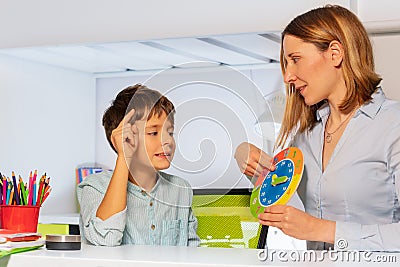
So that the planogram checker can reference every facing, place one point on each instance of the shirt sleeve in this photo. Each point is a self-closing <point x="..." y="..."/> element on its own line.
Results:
<point x="193" y="238"/>
<point x="378" y="237"/>
<point x="353" y="236"/>
<point x="100" y="232"/>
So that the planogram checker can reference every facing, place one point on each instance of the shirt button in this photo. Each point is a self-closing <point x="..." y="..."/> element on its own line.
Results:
<point x="151" y="204"/>
<point x="143" y="192"/>
<point x="153" y="227"/>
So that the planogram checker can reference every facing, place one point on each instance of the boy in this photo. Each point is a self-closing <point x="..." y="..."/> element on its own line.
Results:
<point x="138" y="204"/>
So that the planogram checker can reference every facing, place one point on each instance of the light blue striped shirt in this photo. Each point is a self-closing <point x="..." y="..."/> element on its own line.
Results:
<point x="161" y="217"/>
<point x="360" y="186"/>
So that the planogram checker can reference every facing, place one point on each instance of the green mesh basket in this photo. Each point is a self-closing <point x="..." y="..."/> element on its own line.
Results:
<point x="225" y="220"/>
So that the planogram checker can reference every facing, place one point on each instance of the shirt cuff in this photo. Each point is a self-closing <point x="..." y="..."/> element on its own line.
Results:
<point x="347" y="236"/>
<point x="115" y="222"/>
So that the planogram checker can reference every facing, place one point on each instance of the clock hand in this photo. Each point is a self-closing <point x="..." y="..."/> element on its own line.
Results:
<point x="278" y="180"/>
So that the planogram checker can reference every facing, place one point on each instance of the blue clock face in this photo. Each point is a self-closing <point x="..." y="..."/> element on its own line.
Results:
<point x="276" y="183"/>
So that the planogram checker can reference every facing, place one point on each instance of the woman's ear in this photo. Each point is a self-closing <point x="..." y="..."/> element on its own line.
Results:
<point x="336" y="53"/>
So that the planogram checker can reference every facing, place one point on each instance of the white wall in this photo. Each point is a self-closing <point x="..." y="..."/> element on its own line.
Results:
<point x="378" y="10"/>
<point x="387" y="61"/>
<point x="217" y="109"/>
<point x="382" y="16"/>
<point x="47" y="123"/>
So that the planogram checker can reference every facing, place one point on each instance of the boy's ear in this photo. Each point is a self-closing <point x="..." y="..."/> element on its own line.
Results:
<point x="336" y="53"/>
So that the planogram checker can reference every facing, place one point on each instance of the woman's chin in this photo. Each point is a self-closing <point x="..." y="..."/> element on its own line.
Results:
<point x="309" y="101"/>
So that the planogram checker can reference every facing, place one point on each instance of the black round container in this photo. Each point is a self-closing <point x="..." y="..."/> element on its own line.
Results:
<point x="63" y="242"/>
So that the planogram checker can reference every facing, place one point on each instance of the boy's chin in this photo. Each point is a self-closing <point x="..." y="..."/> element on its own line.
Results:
<point x="160" y="167"/>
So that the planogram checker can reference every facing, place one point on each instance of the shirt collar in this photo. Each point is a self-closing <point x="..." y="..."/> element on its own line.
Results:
<point x="370" y="108"/>
<point x="140" y="191"/>
<point x="323" y="111"/>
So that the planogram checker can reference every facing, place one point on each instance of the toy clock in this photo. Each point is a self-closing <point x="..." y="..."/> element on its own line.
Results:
<point x="278" y="186"/>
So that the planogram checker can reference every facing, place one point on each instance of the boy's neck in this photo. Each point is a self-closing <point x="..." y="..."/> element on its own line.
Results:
<point x="145" y="179"/>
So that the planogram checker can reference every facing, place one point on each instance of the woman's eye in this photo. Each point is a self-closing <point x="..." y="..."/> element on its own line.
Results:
<point x="171" y="133"/>
<point x="295" y="59"/>
<point x="152" y="133"/>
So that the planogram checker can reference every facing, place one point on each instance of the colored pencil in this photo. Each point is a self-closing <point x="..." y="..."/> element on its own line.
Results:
<point x="23" y="191"/>
<point x="10" y="201"/>
<point x="41" y="182"/>
<point x="44" y="189"/>
<point x="15" y="188"/>
<point x="18" y="194"/>
<point x="30" y="189"/>
<point x="34" y="188"/>
<point x="46" y="195"/>
<point x="26" y="193"/>
<point x="4" y="189"/>
<point x="8" y="191"/>
<point x="1" y="191"/>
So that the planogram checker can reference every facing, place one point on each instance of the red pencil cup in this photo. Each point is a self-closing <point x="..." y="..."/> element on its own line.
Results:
<point x="19" y="218"/>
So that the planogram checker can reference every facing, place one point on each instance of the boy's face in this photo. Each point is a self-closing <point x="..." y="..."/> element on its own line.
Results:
<point x="156" y="144"/>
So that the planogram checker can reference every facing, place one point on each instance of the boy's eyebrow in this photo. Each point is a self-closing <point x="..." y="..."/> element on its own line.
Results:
<point x="155" y="125"/>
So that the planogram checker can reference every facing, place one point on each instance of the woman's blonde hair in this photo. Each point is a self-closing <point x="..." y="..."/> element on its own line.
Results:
<point x="320" y="27"/>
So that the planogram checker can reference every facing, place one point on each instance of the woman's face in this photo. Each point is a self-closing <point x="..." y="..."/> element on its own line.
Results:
<point x="313" y="72"/>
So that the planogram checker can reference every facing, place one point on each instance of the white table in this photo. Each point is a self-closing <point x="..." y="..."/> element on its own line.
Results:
<point x="68" y="218"/>
<point x="146" y="256"/>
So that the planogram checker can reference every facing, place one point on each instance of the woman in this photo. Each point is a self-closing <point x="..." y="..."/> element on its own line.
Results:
<point x="349" y="134"/>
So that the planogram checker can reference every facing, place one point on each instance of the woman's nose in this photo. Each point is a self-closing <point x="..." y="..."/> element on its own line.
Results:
<point x="289" y="76"/>
<point x="166" y="139"/>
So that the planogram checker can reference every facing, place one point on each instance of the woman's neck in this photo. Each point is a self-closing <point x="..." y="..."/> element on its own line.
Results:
<point x="336" y="115"/>
<point x="335" y="99"/>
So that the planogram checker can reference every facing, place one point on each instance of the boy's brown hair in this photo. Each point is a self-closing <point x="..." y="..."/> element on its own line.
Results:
<point x="145" y="101"/>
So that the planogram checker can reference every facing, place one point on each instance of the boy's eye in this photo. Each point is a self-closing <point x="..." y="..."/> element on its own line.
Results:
<point x="171" y="133"/>
<point x="152" y="133"/>
<point x="295" y="59"/>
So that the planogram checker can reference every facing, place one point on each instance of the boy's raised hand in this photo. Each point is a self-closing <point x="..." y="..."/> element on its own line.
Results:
<point x="125" y="137"/>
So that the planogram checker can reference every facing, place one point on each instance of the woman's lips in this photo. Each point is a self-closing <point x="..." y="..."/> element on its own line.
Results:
<point x="301" y="89"/>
